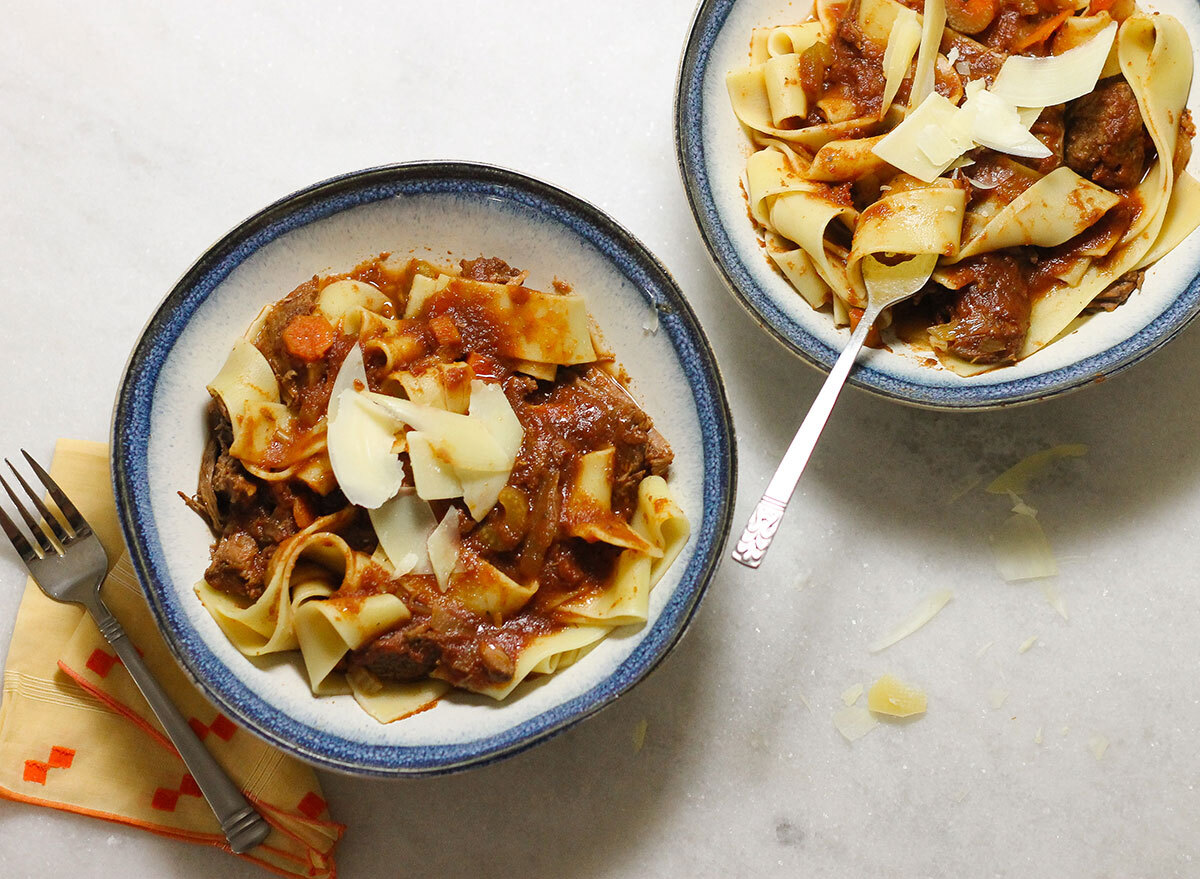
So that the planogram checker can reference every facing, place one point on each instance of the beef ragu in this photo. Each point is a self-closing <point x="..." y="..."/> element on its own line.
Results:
<point x="1059" y="210"/>
<point x="530" y="561"/>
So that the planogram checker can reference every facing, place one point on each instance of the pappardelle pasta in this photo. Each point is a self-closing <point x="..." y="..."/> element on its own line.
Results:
<point x="425" y="477"/>
<point x="1020" y="162"/>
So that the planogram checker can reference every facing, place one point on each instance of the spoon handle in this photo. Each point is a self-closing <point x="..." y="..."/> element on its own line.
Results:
<point x="764" y="521"/>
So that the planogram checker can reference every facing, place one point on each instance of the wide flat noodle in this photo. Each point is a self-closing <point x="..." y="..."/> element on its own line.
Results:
<point x="1052" y="211"/>
<point x="265" y="626"/>
<point x="387" y="701"/>
<point x="916" y="221"/>
<point x="540" y="650"/>
<point x="1156" y="59"/>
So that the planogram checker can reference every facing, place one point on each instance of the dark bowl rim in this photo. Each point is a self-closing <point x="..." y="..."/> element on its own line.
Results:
<point x="677" y="319"/>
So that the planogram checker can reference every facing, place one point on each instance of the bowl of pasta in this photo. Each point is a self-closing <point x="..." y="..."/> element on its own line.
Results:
<point x="465" y="467"/>
<point x="1026" y="158"/>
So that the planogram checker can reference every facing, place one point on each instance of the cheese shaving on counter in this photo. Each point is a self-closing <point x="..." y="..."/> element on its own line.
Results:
<point x="921" y="614"/>
<point x="854" y="722"/>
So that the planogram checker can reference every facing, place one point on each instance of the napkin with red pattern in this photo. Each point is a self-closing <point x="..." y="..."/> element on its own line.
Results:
<point x="76" y="734"/>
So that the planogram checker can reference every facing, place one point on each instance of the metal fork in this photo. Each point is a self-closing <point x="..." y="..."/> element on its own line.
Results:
<point x="68" y="562"/>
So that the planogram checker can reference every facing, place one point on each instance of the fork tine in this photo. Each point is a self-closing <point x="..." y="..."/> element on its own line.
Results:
<point x="51" y="521"/>
<point x="20" y="544"/>
<point x="69" y="510"/>
<point x="39" y="536"/>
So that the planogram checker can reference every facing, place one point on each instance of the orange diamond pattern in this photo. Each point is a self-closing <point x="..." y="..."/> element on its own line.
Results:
<point x="165" y="799"/>
<point x="312" y="805"/>
<point x="60" y="758"/>
<point x="222" y="727"/>
<point x="101" y="662"/>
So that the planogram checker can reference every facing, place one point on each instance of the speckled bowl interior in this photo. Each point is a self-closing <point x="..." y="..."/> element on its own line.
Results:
<point x="712" y="151"/>
<point x="443" y="212"/>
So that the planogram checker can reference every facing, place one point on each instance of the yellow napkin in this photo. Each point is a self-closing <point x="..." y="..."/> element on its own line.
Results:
<point x="75" y="733"/>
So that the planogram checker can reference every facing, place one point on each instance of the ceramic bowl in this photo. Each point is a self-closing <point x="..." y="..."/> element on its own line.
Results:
<point x="712" y="151"/>
<point x="442" y="211"/>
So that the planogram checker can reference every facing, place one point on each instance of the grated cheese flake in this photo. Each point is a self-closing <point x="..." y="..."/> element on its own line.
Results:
<point x="895" y="698"/>
<point x="639" y="734"/>
<point x="850" y="694"/>
<point x="1098" y="744"/>
<point x="1027" y="644"/>
<point x="854" y="722"/>
<point x="1029" y="81"/>
<point x="1021" y="551"/>
<point x="997" y="697"/>
<point x="921" y="614"/>
<point x="1017" y="477"/>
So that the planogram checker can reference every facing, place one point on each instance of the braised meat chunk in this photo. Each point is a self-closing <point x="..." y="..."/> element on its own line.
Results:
<point x="1105" y="139"/>
<point x="990" y="318"/>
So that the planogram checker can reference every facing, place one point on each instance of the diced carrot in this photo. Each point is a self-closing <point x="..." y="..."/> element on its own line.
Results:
<point x="301" y="512"/>
<point x="1042" y="32"/>
<point x="444" y="330"/>
<point x="485" y="367"/>
<point x="308" y="337"/>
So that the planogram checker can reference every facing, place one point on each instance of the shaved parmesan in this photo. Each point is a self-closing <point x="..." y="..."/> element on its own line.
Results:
<point x="996" y="123"/>
<point x="895" y="698"/>
<point x="921" y="614"/>
<point x="1027" y="644"/>
<point x="927" y="141"/>
<point x="352" y="370"/>
<point x="639" y="734"/>
<point x="902" y="44"/>
<point x="403" y="525"/>
<point x="1054" y="79"/>
<point x="1021" y="551"/>
<point x="851" y="694"/>
<point x="464" y="441"/>
<point x="491" y="407"/>
<point x="1055" y="600"/>
<point x="1037" y="739"/>
<point x="933" y="24"/>
<point x="360" y="452"/>
<point x="1017" y="477"/>
<point x="435" y="478"/>
<point x="854" y="722"/>
<point x="444" y="546"/>
<point x="1098" y="744"/>
<point x="997" y="697"/>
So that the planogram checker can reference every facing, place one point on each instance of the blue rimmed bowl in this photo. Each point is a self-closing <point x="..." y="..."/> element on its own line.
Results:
<point x="712" y="150"/>
<point x="442" y="211"/>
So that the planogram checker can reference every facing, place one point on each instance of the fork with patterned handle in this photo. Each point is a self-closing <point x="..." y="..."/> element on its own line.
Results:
<point x="66" y="559"/>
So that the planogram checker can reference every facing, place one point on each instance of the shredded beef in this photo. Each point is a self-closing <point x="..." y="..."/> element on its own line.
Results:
<point x="489" y="269"/>
<point x="407" y="654"/>
<point x="1116" y="293"/>
<point x="990" y="318"/>
<point x="1105" y="138"/>
<point x="270" y="338"/>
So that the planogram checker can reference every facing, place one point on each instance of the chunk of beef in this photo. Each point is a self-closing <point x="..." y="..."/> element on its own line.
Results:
<point x="270" y="341"/>
<point x="230" y="478"/>
<point x="238" y="565"/>
<point x="406" y="654"/>
<point x="990" y="318"/>
<point x="1116" y="293"/>
<point x="490" y="269"/>
<point x="1105" y="139"/>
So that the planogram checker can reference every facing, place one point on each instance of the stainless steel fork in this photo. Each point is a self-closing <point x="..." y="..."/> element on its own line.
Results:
<point x="68" y="562"/>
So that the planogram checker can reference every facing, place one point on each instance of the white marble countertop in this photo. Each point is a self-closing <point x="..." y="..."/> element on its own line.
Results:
<point x="135" y="134"/>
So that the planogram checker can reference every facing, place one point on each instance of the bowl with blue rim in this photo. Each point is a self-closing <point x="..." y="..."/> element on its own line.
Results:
<point x="712" y="148"/>
<point x="440" y="211"/>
